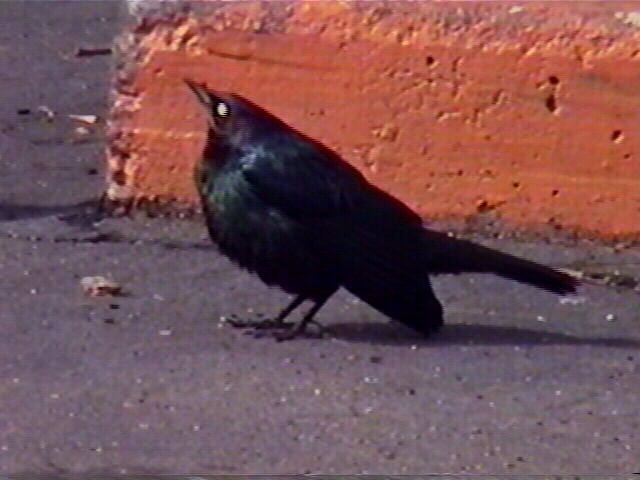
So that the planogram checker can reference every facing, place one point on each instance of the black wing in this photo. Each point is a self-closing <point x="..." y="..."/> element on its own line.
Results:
<point x="371" y="238"/>
<point x="302" y="177"/>
<point x="298" y="180"/>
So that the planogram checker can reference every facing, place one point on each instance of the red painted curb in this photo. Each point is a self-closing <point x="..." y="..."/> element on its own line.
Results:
<point x="529" y="110"/>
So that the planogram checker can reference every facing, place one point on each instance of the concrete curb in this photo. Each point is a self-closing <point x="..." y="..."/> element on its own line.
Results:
<point x="525" y="112"/>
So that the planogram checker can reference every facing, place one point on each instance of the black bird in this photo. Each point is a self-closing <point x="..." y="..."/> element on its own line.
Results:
<point x="290" y="210"/>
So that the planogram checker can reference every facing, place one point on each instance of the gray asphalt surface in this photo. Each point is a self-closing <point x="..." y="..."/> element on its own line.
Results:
<point x="519" y="381"/>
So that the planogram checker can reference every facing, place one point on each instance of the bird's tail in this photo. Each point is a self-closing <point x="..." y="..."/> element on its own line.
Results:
<point x="451" y="255"/>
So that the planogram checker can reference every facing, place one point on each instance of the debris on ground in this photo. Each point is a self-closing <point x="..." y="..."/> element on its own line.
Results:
<point x="92" y="52"/>
<point x="610" y="279"/>
<point x="84" y="118"/>
<point x="98" y="286"/>
<point x="82" y="131"/>
<point x="48" y="113"/>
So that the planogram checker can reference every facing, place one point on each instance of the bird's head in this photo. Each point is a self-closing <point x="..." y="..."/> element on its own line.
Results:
<point x="232" y="118"/>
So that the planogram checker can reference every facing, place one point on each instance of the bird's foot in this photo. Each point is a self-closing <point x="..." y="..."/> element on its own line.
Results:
<point x="259" y="328"/>
<point x="300" y="328"/>
<point x="262" y="324"/>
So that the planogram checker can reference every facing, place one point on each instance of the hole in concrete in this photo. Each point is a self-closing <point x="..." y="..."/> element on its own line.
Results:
<point x="553" y="80"/>
<point x="626" y="156"/>
<point x="430" y="61"/>
<point x="617" y="136"/>
<point x="550" y="103"/>
<point x="119" y="178"/>
<point x="555" y="193"/>
<point x="516" y="185"/>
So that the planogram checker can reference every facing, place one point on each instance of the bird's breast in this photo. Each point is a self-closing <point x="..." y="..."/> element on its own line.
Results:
<point x="246" y="229"/>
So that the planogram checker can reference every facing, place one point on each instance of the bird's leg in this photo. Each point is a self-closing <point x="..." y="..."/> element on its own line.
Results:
<point x="300" y="327"/>
<point x="277" y="322"/>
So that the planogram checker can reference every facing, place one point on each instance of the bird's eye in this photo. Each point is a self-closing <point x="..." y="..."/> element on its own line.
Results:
<point x="222" y="109"/>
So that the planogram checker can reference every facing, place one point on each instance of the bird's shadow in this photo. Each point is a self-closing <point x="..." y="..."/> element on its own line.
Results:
<point x="394" y="334"/>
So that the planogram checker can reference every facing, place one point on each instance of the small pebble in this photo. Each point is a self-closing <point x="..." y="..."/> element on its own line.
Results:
<point x="50" y="114"/>
<point x="572" y="300"/>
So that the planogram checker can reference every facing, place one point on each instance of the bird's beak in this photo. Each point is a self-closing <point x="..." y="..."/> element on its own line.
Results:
<point x="200" y="92"/>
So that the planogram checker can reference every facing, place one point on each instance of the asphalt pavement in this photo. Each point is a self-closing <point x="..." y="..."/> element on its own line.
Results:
<point x="153" y="380"/>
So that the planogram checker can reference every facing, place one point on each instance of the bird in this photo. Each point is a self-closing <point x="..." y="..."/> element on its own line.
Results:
<point x="292" y="211"/>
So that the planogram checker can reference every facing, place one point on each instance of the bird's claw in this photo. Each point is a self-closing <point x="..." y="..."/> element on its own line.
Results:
<point x="286" y="330"/>
<point x="259" y="324"/>
<point x="300" y="329"/>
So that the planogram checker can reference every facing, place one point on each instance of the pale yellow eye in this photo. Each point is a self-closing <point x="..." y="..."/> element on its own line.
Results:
<point x="222" y="109"/>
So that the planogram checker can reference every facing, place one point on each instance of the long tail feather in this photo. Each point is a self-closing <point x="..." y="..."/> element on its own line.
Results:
<point x="450" y="255"/>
